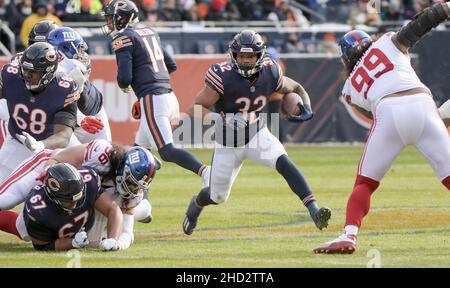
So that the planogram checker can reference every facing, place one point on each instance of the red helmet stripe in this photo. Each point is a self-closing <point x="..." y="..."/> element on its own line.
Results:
<point x="358" y="39"/>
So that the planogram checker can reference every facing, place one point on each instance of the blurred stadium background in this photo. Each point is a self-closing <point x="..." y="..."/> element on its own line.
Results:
<point x="301" y="34"/>
<point x="261" y="225"/>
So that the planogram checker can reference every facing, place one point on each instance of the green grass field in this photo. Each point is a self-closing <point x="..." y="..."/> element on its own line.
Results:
<point x="264" y="225"/>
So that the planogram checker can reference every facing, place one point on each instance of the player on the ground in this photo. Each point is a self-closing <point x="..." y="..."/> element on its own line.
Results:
<point x="239" y="91"/>
<point x="76" y="63"/>
<point x="144" y="67"/>
<point x="134" y="175"/>
<point x="58" y="214"/>
<point x="38" y="34"/>
<point x="381" y="83"/>
<point x="105" y="158"/>
<point x="41" y="104"/>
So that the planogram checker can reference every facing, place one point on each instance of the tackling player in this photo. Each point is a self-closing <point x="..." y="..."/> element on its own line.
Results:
<point x="239" y="91"/>
<point x="75" y="62"/>
<point x="133" y="173"/>
<point x="382" y="84"/>
<point x="41" y="104"/>
<point x="57" y="215"/>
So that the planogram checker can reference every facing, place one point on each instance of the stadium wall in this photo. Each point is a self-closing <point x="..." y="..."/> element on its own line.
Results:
<point x="334" y="120"/>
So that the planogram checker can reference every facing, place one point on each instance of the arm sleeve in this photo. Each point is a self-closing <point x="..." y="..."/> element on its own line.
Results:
<point x="170" y="63"/>
<point x="124" y="68"/>
<point x="126" y="238"/>
<point x="278" y="75"/>
<point x="67" y="116"/>
<point x="214" y="80"/>
<point x="38" y="231"/>
<point x="91" y="99"/>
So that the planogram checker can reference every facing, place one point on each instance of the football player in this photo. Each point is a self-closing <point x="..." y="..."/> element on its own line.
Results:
<point x="58" y="214"/>
<point x="239" y="90"/>
<point x="144" y="67"/>
<point x="381" y="83"/>
<point x="41" y="103"/>
<point x="75" y="62"/>
<point x="105" y="158"/>
<point x="133" y="173"/>
<point x="38" y="34"/>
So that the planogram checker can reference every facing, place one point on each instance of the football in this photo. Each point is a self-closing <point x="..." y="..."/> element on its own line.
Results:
<point x="289" y="104"/>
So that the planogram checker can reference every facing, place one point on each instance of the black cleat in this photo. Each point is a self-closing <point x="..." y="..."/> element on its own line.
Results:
<point x="146" y="220"/>
<point x="321" y="217"/>
<point x="192" y="213"/>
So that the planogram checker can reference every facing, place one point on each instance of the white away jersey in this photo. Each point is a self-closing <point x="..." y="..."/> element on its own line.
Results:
<point x="96" y="156"/>
<point x="382" y="70"/>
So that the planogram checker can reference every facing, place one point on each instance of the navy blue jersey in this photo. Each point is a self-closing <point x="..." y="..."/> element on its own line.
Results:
<point x="237" y="93"/>
<point x="35" y="112"/>
<point x="47" y="222"/>
<point x="240" y="95"/>
<point x="141" y="49"/>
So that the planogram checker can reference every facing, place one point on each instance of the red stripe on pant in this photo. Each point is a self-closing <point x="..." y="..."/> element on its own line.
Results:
<point x="151" y="124"/>
<point x="25" y="169"/>
<point x="358" y="204"/>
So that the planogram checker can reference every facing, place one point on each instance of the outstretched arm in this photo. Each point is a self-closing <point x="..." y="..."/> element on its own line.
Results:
<point x="422" y="23"/>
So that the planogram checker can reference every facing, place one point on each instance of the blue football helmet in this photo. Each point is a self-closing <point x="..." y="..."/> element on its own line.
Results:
<point x="352" y="44"/>
<point x="67" y="41"/>
<point x="136" y="170"/>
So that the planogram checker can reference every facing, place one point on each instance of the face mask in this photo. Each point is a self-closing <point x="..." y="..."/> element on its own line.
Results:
<point x="26" y="10"/>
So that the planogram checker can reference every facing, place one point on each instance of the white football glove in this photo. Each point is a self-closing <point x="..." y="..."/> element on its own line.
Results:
<point x="80" y="240"/>
<point x="237" y="121"/>
<point x="126" y="89"/>
<point x="109" y="244"/>
<point x="444" y="110"/>
<point x="29" y="142"/>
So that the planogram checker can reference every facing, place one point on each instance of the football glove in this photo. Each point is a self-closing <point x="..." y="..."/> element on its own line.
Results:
<point x="91" y="124"/>
<point x="109" y="244"/>
<point x="444" y="110"/>
<point x="29" y="142"/>
<point x="80" y="240"/>
<point x="305" y="114"/>
<point x="136" y="110"/>
<point x="126" y="89"/>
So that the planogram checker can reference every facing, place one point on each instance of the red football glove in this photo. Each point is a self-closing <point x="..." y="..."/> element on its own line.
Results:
<point x="91" y="124"/>
<point x="136" y="110"/>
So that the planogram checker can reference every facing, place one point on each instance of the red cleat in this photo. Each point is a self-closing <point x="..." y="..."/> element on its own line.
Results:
<point x="344" y="244"/>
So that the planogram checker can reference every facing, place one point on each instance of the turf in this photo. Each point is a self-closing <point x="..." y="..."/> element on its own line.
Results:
<point x="263" y="224"/>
